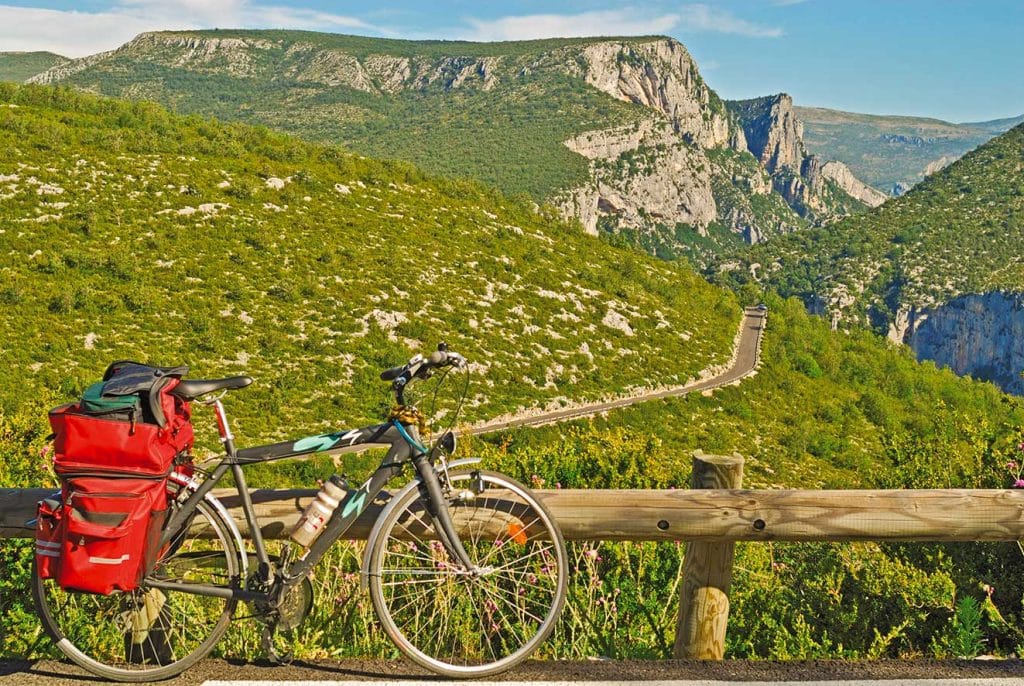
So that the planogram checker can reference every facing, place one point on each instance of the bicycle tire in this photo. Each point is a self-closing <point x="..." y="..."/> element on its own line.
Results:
<point x="97" y="633"/>
<point x="462" y="625"/>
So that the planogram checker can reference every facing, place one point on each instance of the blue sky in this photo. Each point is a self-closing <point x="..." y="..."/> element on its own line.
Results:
<point x="955" y="60"/>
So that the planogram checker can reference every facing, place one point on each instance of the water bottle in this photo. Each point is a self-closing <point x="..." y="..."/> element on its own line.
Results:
<point x="311" y="523"/>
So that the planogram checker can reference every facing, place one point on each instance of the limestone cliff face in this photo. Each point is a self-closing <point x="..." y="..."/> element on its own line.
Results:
<point x="979" y="335"/>
<point x="662" y="76"/>
<point x="842" y="176"/>
<point x="641" y="175"/>
<point x="774" y="134"/>
<point x="812" y="187"/>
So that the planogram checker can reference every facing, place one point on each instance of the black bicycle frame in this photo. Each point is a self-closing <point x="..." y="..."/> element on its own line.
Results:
<point x="404" y="447"/>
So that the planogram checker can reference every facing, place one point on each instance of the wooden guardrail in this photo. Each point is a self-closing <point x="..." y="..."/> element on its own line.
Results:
<point x="709" y="517"/>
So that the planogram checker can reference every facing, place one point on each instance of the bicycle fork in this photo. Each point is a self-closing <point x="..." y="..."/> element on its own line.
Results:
<point x="437" y="507"/>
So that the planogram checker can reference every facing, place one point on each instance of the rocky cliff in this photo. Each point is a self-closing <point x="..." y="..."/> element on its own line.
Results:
<point x="818" y="190"/>
<point x="978" y="335"/>
<point x="669" y="161"/>
<point x="666" y="174"/>
<point x="774" y="135"/>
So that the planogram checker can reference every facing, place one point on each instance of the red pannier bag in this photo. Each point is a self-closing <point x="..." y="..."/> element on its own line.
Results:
<point x="111" y="529"/>
<point x="114" y="450"/>
<point x="49" y="537"/>
<point x="140" y="443"/>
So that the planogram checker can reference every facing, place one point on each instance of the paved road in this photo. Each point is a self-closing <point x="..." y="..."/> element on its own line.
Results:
<point x="729" y="672"/>
<point x="745" y="359"/>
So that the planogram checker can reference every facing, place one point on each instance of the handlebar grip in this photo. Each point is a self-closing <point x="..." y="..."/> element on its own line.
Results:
<point x="391" y="374"/>
<point x="437" y="358"/>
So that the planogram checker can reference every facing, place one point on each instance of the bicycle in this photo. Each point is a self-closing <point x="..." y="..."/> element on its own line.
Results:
<point x="466" y="569"/>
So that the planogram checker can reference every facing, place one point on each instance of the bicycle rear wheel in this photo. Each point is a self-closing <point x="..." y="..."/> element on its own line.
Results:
<point x="148" y="634"/>
<point x="456" y="622"/>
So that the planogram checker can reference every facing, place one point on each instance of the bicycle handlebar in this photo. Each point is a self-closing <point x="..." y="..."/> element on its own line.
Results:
<point x="419" y="367"/>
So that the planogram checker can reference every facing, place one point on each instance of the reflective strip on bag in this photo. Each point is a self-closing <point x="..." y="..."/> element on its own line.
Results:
<point x="48" y="544"/>
<point x="109" y="560"/>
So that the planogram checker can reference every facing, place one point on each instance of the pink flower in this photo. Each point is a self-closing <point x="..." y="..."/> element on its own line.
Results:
<point x="45" y="451"/>
<point x="1019" y="483"/>
<point x="1011" y="465"/>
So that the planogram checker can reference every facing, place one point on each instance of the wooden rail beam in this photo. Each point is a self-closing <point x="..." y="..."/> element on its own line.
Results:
<point x="700" y="515"/>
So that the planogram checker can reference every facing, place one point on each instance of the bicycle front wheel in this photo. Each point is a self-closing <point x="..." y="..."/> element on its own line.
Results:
<point x="148" y="634"/>
<point x="470" y="623"/>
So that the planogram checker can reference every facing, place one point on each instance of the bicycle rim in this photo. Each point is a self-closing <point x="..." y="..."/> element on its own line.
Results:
<point x="457" y="623"/>
<point x="148" y="634"/>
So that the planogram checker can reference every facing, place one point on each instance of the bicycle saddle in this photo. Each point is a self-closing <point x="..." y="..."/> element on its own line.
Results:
<point x="190" y="389"/>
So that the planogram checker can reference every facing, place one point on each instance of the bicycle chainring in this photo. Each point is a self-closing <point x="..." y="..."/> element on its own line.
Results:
<point x="295" y="606"/>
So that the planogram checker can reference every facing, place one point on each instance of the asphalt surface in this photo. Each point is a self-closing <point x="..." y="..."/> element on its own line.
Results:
<point x="52" y="673"/>
<point x="745" y="359"/>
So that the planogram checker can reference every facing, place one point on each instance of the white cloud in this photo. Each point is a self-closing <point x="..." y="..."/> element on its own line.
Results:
<point x="625" y="22"/>
<point x="76" y="33"/>
<point x="599" y="23"/>
<point x="713" y="19"/>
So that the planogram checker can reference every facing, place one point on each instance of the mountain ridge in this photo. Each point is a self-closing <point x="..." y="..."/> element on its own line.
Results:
<point x="500" y="112"/>
<point x="891" y="152"/>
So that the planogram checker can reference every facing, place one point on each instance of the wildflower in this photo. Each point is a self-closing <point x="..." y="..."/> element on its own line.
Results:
<point x="45" y="451"/>
<point x="558" y="484"/>
<point x="591" y="553"/>
<point x="1019" y="483"/>
<point x="1011" y="465"/>
<point x="989" y="590"/>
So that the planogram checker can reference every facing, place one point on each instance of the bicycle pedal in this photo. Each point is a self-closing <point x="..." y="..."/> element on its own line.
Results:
<point x="267" y="645"/>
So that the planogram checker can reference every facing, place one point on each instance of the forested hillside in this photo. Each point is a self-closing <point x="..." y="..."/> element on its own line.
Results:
<point x="19" y="66"/>
<point x="622" y="134"/>
<point x="133" y="233"/>
<point x="957" y="233"/>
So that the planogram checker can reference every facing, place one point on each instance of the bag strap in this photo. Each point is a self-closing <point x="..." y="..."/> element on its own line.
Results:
<point x="126" y="377"/>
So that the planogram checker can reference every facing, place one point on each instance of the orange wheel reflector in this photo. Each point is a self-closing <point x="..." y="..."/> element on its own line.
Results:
<point x="517" y="533"/>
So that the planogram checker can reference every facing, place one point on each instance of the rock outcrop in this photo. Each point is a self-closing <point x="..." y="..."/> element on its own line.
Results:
<point x="664" y="180"/>
<point x="851" y="185"/>
<point x="978" y="335"/>
<point x="774" y="134"/>
<point x="662" y="76"/>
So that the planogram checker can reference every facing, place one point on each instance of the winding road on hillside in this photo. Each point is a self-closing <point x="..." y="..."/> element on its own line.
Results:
<point x="745" y="358"/>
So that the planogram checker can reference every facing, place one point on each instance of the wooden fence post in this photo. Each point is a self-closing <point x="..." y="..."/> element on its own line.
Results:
<point x="707" y="571"/>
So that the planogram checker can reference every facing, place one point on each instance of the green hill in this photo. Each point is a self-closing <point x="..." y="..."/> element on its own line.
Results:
<point x="935" y="268"/>
<point x="890" y="152"/>
<point x="130" y="232"/>
<point x="19" y="66"/>
<point x="622" y="134"/>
